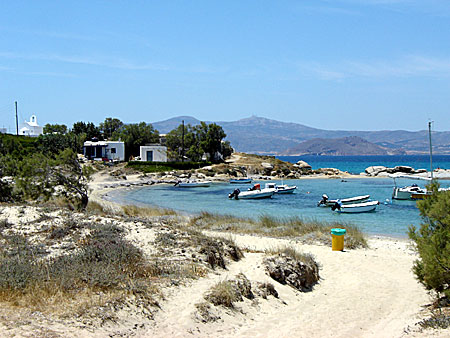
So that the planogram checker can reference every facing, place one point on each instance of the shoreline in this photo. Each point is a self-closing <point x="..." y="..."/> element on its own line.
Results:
<point x="99" y="195"/>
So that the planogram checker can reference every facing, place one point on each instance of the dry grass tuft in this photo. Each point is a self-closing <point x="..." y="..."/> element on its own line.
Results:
<point x="223" y="294"/>
<point x="226" y="293"/>
<point x="291" y="252"/>
<point x="135" y="211"/>
<point x="306" y="231"/>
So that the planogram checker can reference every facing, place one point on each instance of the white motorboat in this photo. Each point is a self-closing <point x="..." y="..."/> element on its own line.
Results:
<point x="326" y="202"/>
<point x="286" y="189"/>
<point x="406" y="193"/>
<point x="355" y="207"/>
<point x="240" y="180"/>
<point x="281" y="189"/>
<point x="193" y="184"/>
<point x="253" y="193"/>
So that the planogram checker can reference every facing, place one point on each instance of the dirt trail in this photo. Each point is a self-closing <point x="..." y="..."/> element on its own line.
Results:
<point x="363" y="293"/>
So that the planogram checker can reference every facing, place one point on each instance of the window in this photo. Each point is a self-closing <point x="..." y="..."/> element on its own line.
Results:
<point x="113" y="150"/>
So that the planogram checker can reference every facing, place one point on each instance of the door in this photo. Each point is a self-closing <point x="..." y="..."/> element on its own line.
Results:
<point x="150" y="156"/>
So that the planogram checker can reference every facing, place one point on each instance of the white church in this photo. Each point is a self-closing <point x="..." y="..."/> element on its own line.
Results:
<point x="30" y="128"/>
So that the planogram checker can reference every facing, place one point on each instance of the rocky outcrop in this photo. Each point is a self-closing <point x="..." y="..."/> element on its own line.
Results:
<point x="384" y="171"/>
<point x="300" y="274"/>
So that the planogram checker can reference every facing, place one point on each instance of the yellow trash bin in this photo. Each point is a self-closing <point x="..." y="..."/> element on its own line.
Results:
<point x="337" y="239"/>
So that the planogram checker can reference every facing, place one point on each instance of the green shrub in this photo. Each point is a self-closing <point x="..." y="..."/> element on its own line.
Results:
<point x="154" y="167"/>
<point x="432" y="240"/>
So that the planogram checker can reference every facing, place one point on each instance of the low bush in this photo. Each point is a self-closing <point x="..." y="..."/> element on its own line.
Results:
<point x="154" y="167"/>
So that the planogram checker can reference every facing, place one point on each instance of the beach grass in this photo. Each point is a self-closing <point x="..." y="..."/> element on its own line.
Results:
<point x="135" y="211"/>
<point x="282" y="227"/>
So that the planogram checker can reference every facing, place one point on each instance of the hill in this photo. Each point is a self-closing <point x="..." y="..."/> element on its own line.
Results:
<point x="345" y="146"/>
<point x="266" y="136"/>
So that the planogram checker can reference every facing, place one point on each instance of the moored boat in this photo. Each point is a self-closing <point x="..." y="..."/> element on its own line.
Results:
<point x="286" y="189"/>
<point x="281" y="189"/>
<point x="240" y="180"/>
<point x="326" y="202"/>
<point x="355" y="207"/>
<point x="253" y="193"/>
<point x="193" y="184"/>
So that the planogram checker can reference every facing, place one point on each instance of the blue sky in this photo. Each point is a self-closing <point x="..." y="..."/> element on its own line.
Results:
<point x="341" y="64"/>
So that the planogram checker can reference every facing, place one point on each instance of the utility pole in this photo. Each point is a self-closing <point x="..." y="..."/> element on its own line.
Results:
<point x="17" y="121"/>
<point x="182" y="142"/>
<point x="431" y="149"/>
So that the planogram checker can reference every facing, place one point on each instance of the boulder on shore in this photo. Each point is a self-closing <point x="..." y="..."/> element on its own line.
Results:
<point x="303" y="165"/>
<point x="375" y="170"/>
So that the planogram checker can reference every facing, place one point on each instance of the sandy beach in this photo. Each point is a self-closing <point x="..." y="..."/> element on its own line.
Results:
<point x="362" y="293"/>
<point x="365" y="292"/>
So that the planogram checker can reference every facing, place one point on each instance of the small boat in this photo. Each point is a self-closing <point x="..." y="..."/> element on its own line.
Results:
<point x="286" y="189"/>
<point x="281" y="189"/>
<point x="355" y="207"/>
<point x="192" y="184"/>
<point x="406" y="193"/>
<point x="240" y="180"/>
<point x="425" y="194"/>
<point x="253" y="193"/>
<point x="326" y="202"/>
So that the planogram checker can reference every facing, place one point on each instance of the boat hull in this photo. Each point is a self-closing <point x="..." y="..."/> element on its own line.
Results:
<point x="194" y="185"/>
<point x="288" y="190"/>
<point x="351" y="200"/>
<point x="256" y="194"/>
<point x="241" y="181"/>
<point x="407" y="193"/>
<point x="357" y="208"/>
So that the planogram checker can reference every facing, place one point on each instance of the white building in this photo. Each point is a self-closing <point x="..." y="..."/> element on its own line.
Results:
<point x="31" y="128"/>
<point x="153" y="153"/>
<point x="104" y="150"/>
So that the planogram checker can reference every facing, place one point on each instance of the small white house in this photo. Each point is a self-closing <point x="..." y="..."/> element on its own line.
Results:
<point x="104" y="150"/>
<point x="31" y="128"/>
<point x="153" y="153"/>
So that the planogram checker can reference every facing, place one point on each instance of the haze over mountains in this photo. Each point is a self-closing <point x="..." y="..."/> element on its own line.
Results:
<point x="260" y="135"/>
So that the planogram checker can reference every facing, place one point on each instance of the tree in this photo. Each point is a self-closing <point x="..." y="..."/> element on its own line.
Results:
<point x="432" y="240"/>
<point x="40" y="177"/>
<point x="55" y="129"/>
<point x="135" y="135"/>
<point x="174" y="141"/>
<point x="109" y="126"/>
<point x="198" y="140"/>
<point x="211" y="136"/>
<point x="53" y="144"/>
<point x="69" y="173"/>
<point x="87" y="130"/>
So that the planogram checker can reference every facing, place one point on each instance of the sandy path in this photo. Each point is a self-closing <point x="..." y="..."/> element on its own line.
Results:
<point x="363" y="293"/>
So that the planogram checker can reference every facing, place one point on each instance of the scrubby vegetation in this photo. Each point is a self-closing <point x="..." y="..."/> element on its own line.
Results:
<point x="154" y="167"/>
<point x="228" y="292"/>
<point x="432" y="241"/>
<point x="306" y="231"/>
<point x="102" y="262"/>
<point x="288" y="266"/>
<point x="84" y="264"/>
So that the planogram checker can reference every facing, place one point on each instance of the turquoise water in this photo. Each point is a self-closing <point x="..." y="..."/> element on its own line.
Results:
<point x="357" y="164"/>
<point x="390" y="218"/>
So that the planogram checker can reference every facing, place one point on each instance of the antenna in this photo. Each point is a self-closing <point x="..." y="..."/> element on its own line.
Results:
<point x="17" y="121"/>
<point x="182" y="142"/>
<point x="431" y="149"/>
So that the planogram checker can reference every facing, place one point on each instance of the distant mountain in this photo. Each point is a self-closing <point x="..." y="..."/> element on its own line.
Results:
<point x="265" y="136"/>
<point x="167" y="125"/>
<point x="346" y="146"/>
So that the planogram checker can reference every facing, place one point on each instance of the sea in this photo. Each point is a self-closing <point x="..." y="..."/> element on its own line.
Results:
<point x="391" y="218"/>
